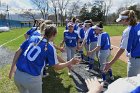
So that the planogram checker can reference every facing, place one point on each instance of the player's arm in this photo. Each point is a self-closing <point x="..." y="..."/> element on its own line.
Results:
<point x="59" y="48"/>
<point x="13" y="67"/>
<point x="60" y="59"/>
<point x="60" y="66"/>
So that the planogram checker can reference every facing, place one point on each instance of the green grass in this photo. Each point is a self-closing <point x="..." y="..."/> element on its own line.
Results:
<point x="114" y="30"/>
<point x="57" y="82"/>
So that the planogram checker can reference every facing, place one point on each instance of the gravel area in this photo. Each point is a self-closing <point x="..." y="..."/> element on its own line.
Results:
<point x="6" y="56"/>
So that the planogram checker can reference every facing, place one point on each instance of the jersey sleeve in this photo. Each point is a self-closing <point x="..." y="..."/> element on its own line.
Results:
<point x="29" y="32"/>
<point x="125" y="37"/>
<point x="23" y="45"/>
<point x="52" y="56"/>
<point x="99" y="40"/>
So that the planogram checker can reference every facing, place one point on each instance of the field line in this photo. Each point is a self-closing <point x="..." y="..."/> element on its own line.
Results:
<point x="114" y="46"/>
<point x="10" y="41"/>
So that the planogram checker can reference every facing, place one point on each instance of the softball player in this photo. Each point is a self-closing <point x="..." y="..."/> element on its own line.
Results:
<point x="90" y="42"/>
<point x="30" y="59"/>
<point x="81" y="35"/>
<point x="130" y="41"/>
<point x="71" y="42"/>
<point x="34" y="30"/>
<point x="103" y="46"/>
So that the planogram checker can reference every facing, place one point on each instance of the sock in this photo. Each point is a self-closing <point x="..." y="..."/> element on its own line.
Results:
<point x="90" y="66"/>
<point x="110" y="72"/>
<point x="103" y="76"/>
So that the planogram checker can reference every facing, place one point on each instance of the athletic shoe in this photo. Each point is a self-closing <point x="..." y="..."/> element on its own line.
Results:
<point x="112" y="78"/>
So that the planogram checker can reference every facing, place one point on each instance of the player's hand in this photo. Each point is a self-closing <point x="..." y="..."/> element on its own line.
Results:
<point x="61" y="45"/>
<point x="89" y="53"/>
<point x="93" y="85"/>
<point x="10" y="74"/>
<point x="62" y="49"/>
<point x="107" y="66"/>
<point x="75" y="60"/>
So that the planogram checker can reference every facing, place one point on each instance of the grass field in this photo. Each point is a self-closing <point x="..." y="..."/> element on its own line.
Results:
<point x="57" y="82"/>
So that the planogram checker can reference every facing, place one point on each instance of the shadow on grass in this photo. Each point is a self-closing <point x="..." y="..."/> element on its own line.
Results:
<point x="80" y="82"/>
<point x="53" y="84"/>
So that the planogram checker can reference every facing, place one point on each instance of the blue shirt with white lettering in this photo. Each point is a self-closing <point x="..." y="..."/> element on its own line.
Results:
<point x="36" y="52"/>
<point x="71" y="39"/>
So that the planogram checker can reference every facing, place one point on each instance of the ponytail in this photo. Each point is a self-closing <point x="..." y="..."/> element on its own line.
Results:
<point x="132" y="18"/>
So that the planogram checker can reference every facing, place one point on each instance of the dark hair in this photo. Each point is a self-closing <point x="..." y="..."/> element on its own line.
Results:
<point x="89" y="22"/>
<point x="100" y="24"/>
<point x="50" y="31"/>
<point x="73" y="19"/>
<point x="131" y="16"/>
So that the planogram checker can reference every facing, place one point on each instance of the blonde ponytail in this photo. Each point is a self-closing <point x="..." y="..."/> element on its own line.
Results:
<point x="132" y="18"/>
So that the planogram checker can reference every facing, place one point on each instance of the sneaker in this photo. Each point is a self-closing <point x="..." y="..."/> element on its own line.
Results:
<point x="87" y="69"/>
<point x="112" y="78"/>
<point x="45" y="75"/>
<point x="105" y="83"/>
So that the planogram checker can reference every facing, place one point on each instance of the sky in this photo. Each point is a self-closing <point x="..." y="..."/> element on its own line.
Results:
<point x="15" y="5"/>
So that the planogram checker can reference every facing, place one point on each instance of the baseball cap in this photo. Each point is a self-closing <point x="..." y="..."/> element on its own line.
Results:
<point x="121" y="17"/>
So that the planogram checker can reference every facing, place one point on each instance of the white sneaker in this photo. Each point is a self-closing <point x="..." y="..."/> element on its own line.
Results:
<point x="47" y="74"/>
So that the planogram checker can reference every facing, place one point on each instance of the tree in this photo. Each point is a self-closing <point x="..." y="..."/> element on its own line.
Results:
<point x="105" y="6"/>
<point x="55" y="5"/>
<point x="42" y="6"/>
<point x="96" y="13"/>
<point x="62" y="4"/>
<point x="28" y="14"/>
<point x="74" y="8"/>
<point x="84" y="13"/>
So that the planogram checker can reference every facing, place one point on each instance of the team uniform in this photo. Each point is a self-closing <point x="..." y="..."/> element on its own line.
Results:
<point x="81" y="35"/>
<point x="91" y="43"/>
<point x="71" y="40"/>
<point x="131" y="42"/>
<point x="104" y="52"/>
<point x="36" y="52"/>
<point x="33" y="32"/>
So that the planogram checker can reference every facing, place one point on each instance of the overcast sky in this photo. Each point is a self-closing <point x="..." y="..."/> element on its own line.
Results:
<point x="14" y="4"/>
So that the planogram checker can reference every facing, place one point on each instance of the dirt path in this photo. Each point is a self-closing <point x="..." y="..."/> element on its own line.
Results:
<point x="115" y="41"/>
<point x="6" y="56"/>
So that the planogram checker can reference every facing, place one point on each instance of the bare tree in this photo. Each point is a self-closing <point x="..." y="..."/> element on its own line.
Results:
<point x="62" y="4"/>
<point x="108" y="5"/>
<point x="28" y="14"/>
<point x="55" y="6"/>
<point x="43" y="6"/>
<point x="74" y="8"/>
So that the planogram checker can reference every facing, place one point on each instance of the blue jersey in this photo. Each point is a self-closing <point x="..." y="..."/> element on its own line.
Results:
<point x="90" y="36"/>
<point x="29" y="32"/>
<point x="137" y="90"/>
<point x="71" y="39"/>
<point x="133" y="45"/>
<point x="82" y="33"/>
<point x="75" y="27"/>
<point x="36" y="52"/>
<point x="104" y="41"/>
